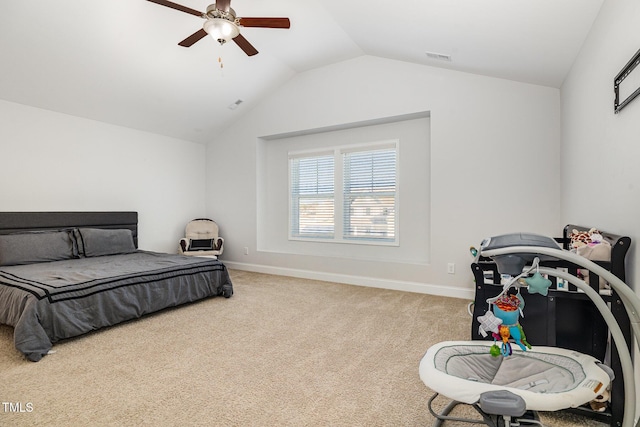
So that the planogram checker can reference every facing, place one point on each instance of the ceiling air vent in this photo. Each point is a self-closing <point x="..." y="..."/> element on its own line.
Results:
<point x="235" y="104"/>
<point x="439" y="56"/>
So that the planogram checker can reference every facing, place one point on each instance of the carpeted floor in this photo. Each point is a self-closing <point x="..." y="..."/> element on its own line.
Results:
<point x="280" y="352"/>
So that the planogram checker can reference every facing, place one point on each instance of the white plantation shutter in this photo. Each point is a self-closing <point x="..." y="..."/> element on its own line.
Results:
<point x="369" y="208"/>
<point x="312" y="196"/>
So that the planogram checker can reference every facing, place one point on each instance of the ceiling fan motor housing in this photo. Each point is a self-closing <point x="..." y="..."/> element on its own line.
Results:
<point x="213" y="12"/>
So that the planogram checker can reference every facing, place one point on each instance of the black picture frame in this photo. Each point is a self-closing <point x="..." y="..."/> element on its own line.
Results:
<point x="620" y="78"/>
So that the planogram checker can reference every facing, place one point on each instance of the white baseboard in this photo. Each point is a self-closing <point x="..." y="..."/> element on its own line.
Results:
<point x="422" y="288"/>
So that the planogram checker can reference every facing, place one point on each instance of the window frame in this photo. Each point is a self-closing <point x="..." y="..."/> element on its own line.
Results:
<point x="339" y="192"/>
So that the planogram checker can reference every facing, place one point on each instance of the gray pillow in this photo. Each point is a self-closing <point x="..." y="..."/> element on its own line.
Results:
<point x="29" y="248"/>
<point x="99" y="242"/>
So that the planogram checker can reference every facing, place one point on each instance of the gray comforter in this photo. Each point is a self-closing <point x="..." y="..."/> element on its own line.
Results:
<point x="50" y="301"/>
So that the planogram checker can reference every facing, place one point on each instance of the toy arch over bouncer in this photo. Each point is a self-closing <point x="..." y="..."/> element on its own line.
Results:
<point x="508" y="386"/>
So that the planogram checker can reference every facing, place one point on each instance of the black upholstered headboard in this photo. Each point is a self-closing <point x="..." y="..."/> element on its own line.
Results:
<point x="15" y="222"/>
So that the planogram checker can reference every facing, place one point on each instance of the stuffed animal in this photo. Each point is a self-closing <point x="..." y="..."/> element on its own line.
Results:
<point x="596" y="249"/>
<point x="579" y="238"/>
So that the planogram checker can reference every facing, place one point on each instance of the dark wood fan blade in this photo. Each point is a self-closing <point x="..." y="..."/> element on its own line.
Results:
<point x="245" y="45"/>
<point x="177" y="6"/>
<point x="193" y="38"/>
<point x="266" y="22"/>
<point x="223" y="5"/>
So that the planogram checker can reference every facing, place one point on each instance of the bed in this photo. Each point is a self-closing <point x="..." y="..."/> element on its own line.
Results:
<point x="63" y="274"/>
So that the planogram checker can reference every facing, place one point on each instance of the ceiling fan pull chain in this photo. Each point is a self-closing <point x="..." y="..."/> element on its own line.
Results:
<point x="221" y="66"/>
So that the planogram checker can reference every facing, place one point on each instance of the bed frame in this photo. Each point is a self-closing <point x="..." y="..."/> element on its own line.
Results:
<point x="568" y="318"/>
<point x="15" y="222"/>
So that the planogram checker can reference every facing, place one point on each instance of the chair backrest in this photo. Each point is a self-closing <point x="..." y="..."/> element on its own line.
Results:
<point x="201" y="228"/>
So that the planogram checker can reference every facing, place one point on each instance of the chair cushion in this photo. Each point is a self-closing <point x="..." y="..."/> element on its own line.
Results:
<point x="201" y="229"/>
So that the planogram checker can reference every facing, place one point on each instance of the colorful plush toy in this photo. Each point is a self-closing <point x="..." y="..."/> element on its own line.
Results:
<point x="503" y="325"/>
<point x="507" y="308"/>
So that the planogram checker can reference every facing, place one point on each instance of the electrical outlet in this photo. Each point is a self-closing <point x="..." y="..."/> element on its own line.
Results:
<point x="451" y="268"/>
<point x="246" y="250"/>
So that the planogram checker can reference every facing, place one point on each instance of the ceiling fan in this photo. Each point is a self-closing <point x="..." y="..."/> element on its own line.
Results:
<point x="223" y="24"/>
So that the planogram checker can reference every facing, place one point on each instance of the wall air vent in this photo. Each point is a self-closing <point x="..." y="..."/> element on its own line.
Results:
<point x="439" y="56"/>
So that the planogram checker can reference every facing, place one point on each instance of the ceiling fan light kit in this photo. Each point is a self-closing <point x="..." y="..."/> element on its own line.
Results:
<point x="221" y="30"/>
<point x="223" y="25"/>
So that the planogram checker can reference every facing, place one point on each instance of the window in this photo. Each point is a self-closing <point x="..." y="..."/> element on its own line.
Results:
<point x="365" y="211"/>
<point x="312" y="201"/>
<point x="370" y="195"/>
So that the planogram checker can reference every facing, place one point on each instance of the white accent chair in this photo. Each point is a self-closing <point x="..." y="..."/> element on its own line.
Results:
<point x="201" y="239"/>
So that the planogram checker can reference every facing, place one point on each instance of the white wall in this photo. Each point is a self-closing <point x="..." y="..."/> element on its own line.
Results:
<point x="600" y="149"/>
<point x="412" y="136"/>
<point x="604" y="191"/>
<point x="495" y="167"/>
<point x="52" y="161"/>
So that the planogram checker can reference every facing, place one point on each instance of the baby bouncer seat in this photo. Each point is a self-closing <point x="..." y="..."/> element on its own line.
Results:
<point x="201" y="239"/>
<point x="507" y="381"/>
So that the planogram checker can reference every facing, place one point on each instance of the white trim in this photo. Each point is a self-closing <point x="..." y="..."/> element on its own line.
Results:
<point x="350" y="125"/>
<point x="312" y="152"/>
<point x="397" y="285"/>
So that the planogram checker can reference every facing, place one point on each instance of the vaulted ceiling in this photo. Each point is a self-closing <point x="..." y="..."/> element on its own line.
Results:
<point x="118" y="61"/>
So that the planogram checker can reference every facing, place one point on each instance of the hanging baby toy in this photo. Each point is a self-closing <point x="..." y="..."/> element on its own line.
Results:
<point x="507" y="308"/>
<point x="501" y="320"/>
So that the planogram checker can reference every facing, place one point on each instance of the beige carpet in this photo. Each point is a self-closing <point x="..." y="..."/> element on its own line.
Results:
<point x="280" y="352"/>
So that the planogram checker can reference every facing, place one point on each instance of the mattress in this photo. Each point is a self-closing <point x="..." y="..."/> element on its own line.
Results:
<point x="50" y="301"/>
